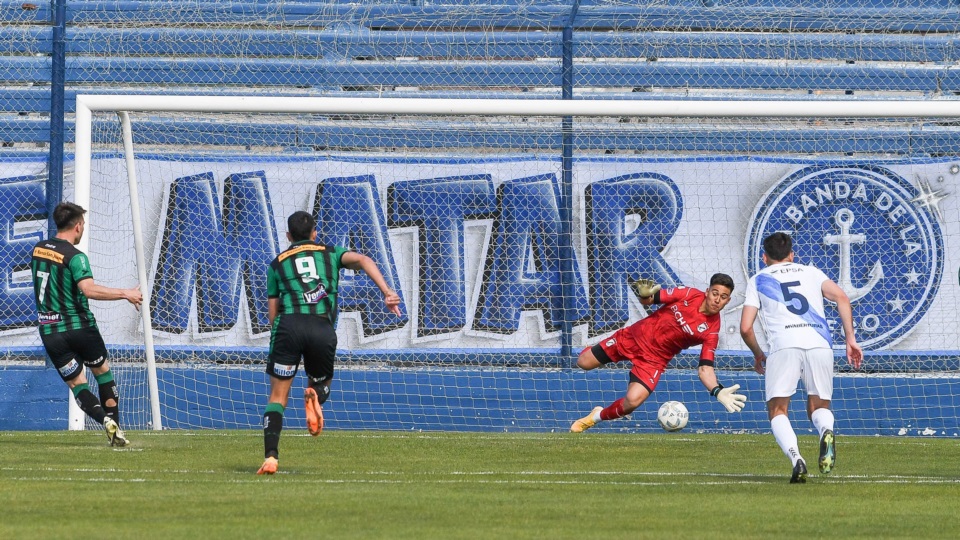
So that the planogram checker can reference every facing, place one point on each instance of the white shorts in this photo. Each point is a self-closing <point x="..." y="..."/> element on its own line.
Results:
<point x="787" y="366"/>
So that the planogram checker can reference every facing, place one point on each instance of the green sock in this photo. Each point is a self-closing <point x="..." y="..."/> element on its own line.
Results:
<point x="88" y="402"/>
<point x="272" y="426"/>
<point x="108" y="390"/>
<point x="79" y="388"/>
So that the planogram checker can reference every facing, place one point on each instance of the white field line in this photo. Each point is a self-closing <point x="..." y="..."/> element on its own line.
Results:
<point x="613" y="478"/>
<point x="751" y="438"/>
<point x="302" y="480"/>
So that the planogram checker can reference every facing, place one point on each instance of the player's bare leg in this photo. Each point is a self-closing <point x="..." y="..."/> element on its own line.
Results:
<point x="636" y="395"/>
<point x="587" y="360"/>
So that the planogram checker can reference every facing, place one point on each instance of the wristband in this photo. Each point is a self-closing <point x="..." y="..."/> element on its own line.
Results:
<point x="716" y="390"/>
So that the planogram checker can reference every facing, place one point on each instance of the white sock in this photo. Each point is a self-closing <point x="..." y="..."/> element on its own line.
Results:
<point x="822" y="420"/>
<point x="786" y="437"/>
<point x="596" y="416"/>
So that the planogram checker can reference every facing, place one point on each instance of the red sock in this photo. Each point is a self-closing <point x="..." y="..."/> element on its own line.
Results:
<point x="613" y="411"/>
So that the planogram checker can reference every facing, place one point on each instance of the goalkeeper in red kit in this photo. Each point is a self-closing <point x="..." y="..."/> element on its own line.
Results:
<point x="688" y="317"/>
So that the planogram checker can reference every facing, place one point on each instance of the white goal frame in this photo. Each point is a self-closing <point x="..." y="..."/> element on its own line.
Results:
<point x="122" y="104"/>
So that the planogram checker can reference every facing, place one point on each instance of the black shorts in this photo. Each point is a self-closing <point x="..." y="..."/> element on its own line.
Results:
<point x="297" y="336"/>
<point x="71" y="350"/>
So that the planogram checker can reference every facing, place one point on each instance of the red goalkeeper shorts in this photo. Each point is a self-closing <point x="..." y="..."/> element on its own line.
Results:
<point x="616" y="349"/>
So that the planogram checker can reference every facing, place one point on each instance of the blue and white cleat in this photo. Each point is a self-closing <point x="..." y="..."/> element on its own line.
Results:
<point x="828" y="452"/>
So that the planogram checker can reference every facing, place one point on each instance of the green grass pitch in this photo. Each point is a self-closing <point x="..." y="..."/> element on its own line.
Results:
<point x="365" y="484"/>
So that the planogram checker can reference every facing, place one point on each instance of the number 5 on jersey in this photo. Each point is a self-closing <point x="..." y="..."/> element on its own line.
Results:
<point x="789" y="297"/>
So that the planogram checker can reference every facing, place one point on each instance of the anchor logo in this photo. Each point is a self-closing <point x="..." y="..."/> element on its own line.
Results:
<point x="890" y="247"/>
<point x="844" y="219"/>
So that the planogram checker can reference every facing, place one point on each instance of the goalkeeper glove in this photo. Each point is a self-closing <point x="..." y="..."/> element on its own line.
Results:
<point x="727" y="397"/>
<point x="644" y="288"/>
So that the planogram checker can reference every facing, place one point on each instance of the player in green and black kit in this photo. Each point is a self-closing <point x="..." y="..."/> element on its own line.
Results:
<point x="62" y="283"/>
<point x="302" y="285"/>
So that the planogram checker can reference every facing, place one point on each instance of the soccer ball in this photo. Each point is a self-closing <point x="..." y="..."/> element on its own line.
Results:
<point x="672" y="416"/>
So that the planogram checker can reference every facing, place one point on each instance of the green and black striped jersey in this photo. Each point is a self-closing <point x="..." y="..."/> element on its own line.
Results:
<point x="306" y="278"/>
<point x="58" y="268"/>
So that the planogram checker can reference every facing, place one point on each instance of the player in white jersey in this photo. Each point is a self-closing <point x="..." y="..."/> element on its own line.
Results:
<point x="789" y="296"/>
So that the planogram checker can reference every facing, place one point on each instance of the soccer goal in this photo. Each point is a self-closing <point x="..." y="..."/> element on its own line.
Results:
<point x="511" y="229"/>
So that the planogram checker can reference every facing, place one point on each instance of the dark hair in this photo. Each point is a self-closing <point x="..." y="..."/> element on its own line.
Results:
<point x="778" y="246"/>
<point x="722" y="279"/>
<point x="66" y="215"/>
<point x="300" y="224"/>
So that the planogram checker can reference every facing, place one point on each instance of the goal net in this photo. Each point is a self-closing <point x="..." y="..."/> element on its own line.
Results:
<point x="511" y="229"/>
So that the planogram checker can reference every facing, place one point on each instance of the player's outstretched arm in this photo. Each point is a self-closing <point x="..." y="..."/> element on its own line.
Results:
<point x="854" y="354"/>
<point x="728" y="397"/>
<point x="273" y="309"/>
<point x="747" y="317"/>
<point x="94" y="291"/>
<point x="833" y="292"/>
<point x="645" y="289"/>
<point x="358" y="261"/>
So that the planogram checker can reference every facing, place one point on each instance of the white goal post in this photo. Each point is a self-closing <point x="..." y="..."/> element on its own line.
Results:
<point x="829" y="190"/>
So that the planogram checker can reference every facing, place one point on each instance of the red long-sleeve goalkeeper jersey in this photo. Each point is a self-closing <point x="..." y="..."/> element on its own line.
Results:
<point x="675" y="326"/>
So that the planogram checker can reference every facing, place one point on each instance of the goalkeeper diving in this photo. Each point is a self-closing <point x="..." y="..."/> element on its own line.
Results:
<point x="688" y="317"/>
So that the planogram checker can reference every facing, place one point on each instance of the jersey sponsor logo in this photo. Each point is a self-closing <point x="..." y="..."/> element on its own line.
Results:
<point x="871" y="231"/>
<point x="314" y="296"/>
<point x="300" y="249"/>
<point x="48" y="254"/>
<point x="678" y="315"/>
<point x="48" y="317"/>
<point x="281" y="370"/>
<point x="69" y="368"/>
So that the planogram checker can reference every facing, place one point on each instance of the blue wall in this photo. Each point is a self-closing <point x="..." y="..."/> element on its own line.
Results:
<point x="479" y="399"/>
<point x="33" y="398"/>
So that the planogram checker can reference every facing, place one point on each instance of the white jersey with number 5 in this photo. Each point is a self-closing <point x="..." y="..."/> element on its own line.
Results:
<point x="790" y="300"/>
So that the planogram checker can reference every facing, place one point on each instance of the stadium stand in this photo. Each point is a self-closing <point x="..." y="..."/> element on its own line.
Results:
<point x="765" y="48"/>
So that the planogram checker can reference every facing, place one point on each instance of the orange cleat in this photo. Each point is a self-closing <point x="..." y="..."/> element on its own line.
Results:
<point x="314" y="411"/>
<point x="269" y="466"/>
<point x="586" y="422"/>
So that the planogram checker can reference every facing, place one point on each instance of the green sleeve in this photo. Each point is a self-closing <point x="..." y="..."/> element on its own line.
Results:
<point x="338" y="252"/>
<point x="273" y="287"/>
<point x="80" y="267"/>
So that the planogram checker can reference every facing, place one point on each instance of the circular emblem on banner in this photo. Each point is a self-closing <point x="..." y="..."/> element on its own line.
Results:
<point x="860" y="226"/>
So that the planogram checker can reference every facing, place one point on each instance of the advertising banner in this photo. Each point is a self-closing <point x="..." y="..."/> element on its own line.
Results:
<point x="475" y="246"/>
